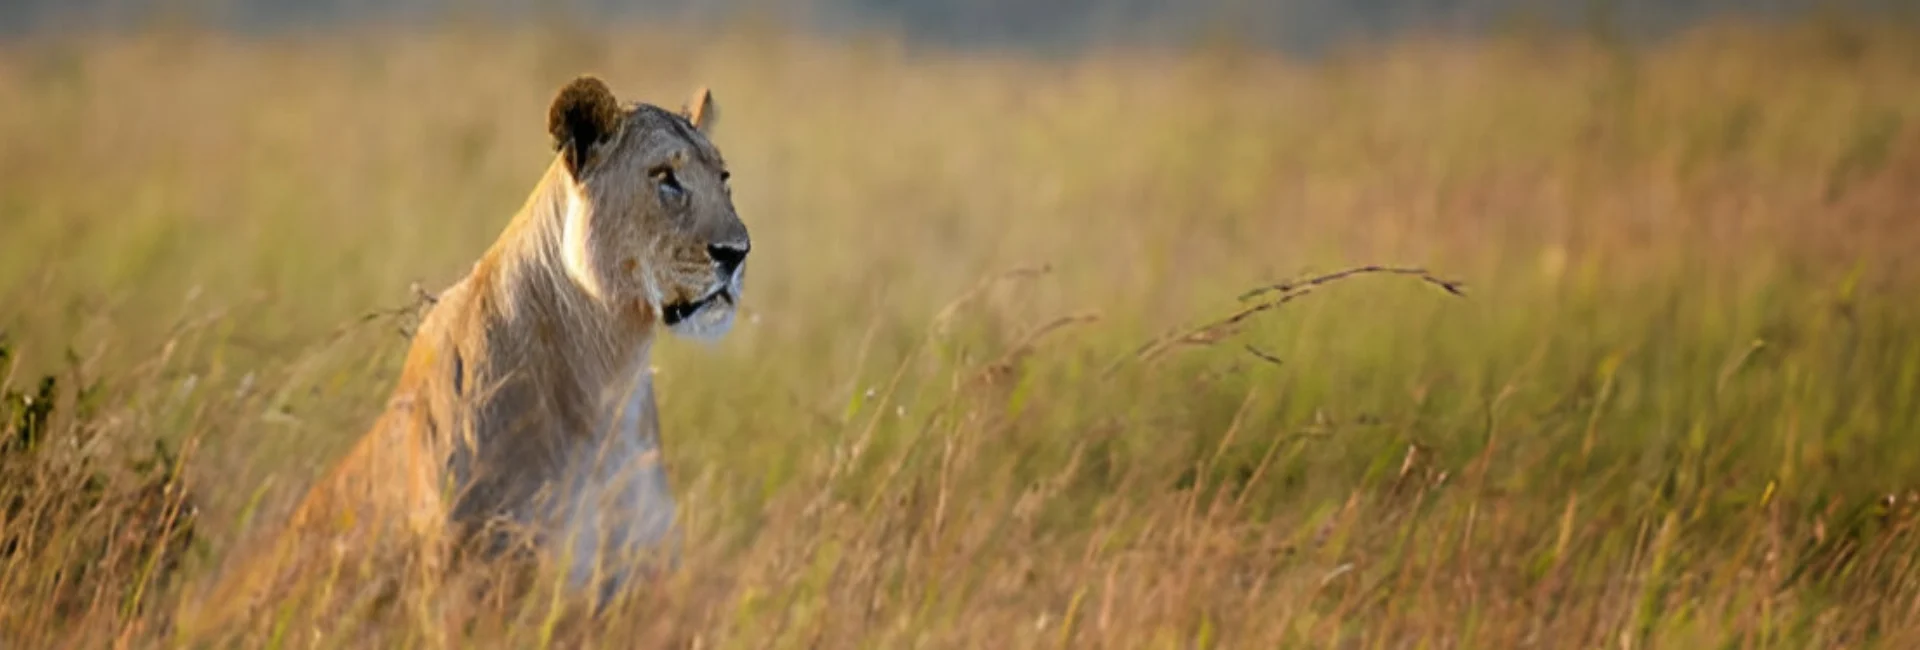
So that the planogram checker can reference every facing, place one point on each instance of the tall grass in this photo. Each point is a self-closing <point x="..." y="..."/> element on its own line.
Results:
<point x="1676" y="408"/>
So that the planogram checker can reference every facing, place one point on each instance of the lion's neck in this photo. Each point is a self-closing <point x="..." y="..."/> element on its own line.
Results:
<point x="577" y="344"/>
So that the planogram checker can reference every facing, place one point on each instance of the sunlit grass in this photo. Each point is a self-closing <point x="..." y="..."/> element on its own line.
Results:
<point x="1675" y="408"/>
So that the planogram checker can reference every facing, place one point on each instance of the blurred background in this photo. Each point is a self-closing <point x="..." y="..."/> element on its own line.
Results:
<point x="1003" y="376"/>
<point x="1056" y="25"/>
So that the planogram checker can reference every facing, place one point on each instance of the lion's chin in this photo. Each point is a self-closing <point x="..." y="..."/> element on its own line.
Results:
<point x="707" y="318"/>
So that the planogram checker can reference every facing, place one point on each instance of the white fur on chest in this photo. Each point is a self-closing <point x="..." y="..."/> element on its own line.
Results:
<point x="618" y="501"/>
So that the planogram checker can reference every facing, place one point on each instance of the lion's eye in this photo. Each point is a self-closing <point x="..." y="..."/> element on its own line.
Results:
<point x="664" y="177"/>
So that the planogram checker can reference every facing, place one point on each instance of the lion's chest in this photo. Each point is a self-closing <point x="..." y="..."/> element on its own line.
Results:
<point x="617" y="501"/>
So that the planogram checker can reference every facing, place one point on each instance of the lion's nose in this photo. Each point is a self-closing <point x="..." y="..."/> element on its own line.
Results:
<point x="728" y="256"/>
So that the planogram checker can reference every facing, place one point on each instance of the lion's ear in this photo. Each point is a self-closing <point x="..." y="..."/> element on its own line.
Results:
<point x="583" y="115"/>
<point x="701" y="111"/>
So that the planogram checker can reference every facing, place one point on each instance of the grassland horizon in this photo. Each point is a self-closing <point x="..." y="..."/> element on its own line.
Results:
<point x="988" y="389"/>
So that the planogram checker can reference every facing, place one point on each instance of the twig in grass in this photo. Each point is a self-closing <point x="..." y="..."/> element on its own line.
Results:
<point x="1217" y="330"/>
<point x="1263" y="355"/>
<point x="422" y="300"/>
<point x="1451" y="286"/>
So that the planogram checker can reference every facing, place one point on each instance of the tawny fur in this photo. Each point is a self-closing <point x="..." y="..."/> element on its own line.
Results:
<point x="525" y="404"/>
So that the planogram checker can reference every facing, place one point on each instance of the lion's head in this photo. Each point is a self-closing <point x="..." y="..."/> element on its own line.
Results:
<point x="649" y="218"/>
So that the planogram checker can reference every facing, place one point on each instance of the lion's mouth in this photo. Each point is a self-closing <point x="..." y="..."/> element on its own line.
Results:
<point x="679" y="312"/>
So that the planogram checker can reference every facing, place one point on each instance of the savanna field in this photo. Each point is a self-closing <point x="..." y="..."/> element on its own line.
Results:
<point x="1003" y="377"/>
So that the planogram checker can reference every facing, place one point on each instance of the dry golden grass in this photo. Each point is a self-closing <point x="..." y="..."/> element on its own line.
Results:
<point x="1676" y="409"/>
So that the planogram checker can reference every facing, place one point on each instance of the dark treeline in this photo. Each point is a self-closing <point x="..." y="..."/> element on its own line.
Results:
<point x="1298" y="25"/>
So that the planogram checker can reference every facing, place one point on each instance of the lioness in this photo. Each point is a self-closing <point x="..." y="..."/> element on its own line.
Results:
<point x="526" y="397"/>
